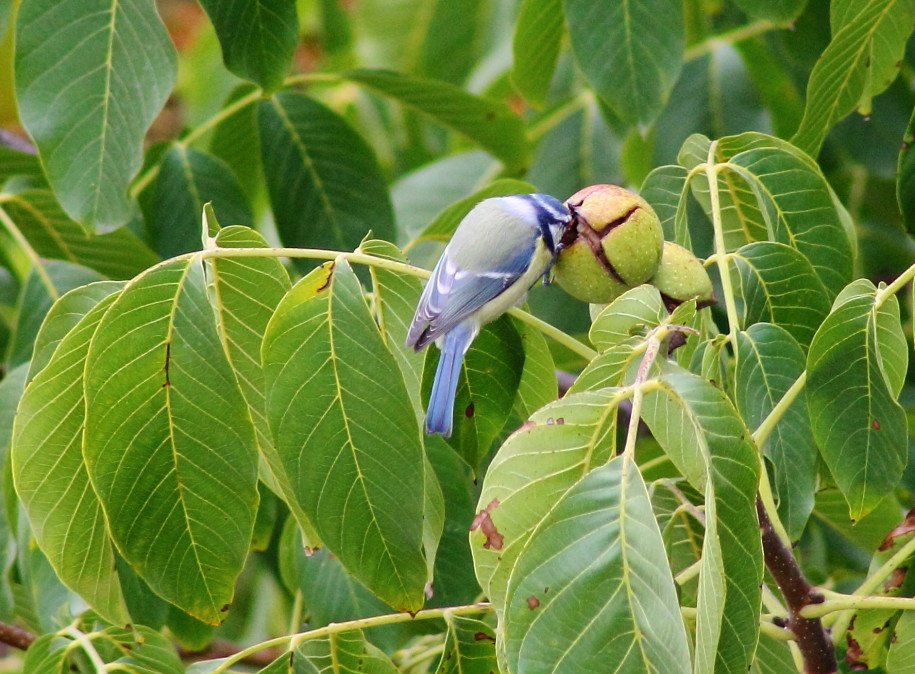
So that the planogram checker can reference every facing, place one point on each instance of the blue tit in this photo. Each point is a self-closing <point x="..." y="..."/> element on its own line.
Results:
<point x="500" y="248"/>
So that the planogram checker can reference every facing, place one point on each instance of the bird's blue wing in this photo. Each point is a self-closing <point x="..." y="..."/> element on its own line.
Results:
<point x="453" y="294"/>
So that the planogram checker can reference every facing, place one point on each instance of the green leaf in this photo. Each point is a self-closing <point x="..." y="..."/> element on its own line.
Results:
<point x="774" y="10"/>
<point x="447" y="39"/>
<point x="169" y="442"/>
<point x="45" y="284"/>
<point x="778" y="91"/>
<point x="593" y="585"/>
<point x="188" y="179"/>
<point x="47" y="655"/>
<point x="257" y="37"/>
<point x="325" y="185"/>
<point x="248" y="290"/>
<point x="699" y="429"/>
<point x="575" y="150"/>
<point x="470" y="647"/>
<point x="351" y="449"/>
<point x="235" y="141"/>
<point x="901" y="655"/>
<point x="614" y="367"/>
<point x="15" y="163"/>
<point x="486" y="390"/>
<point x="630" y="52"/>
<point x="769" y="361"/>
<point x="331" y="594"/>
<point x="666" y="189"/>
<point x="421" y="195"/>
<point x="535" y="48"/>
<point x="490" y="124"/>
<point x="65" y="313"/>
<point x="341" y="653"/>
<point x="631" y="314"/>
<point x="396" y="296"/>
<point x="859" y="426"/>
<point x="772" y="191"/>
<point x="778" y="285"/>
<point x="454" y="582"/>
<point x="90" y="77"/>
<point x="443" y="225"/>
<point x="534" y="467"/>
<point x="118" y="254"/>
<point x="905" y="176"/>
<point x="831" y="510"/>
<point x="140" y="650"/>
<point x="538" y="385"/>
<point x="337" y="30"/>
<point x="51" y="479"/>
<point x="863" y="57"/>
<point x="773" y="656"/>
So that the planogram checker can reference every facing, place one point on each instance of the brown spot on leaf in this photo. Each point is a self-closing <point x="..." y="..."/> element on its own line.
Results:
<point x="225" y="607"/>
<point x="854" y="653"/>
<point x="468" y="412"/>
<point x="875" y="425"/>
<point x="895" y="580"/>
<point x="482" y="636"/>
<point x="907" y="526"/>
<point x="484" y="523"/>
<point x="532" y="602"/>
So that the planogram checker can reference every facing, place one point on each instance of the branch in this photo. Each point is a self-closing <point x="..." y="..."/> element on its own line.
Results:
<point x="811" y="639"/>
<point x="15" y="636"/>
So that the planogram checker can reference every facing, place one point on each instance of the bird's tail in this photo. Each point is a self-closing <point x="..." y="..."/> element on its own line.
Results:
<point x="440" y="411"/>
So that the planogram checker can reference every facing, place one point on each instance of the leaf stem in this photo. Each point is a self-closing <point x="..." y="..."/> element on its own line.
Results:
<point x="568" y="341"/>
<point x="224" y="113"/>
<point x="892" y="288"/>
<point x="293" y="640"/>
<point x="855" y="603"/>
<point x="17" y="235"/>
<point x="730" y="37"/>
<point x="547" y="329"/>
<point x="652" y="347"/>
<point x="553" y="118"/>
<point x="730" y="303"/>
<point x="870" y="585"/>
<point x="85" y="643"/>
<point x="761" y="434"/>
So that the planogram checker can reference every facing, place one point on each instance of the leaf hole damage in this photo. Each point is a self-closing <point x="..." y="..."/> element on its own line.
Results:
<point x="484" y="523"/>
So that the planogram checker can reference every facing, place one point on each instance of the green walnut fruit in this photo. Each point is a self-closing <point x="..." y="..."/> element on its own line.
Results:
<point x="613" y="244"/>
<point x="681" y="277"/>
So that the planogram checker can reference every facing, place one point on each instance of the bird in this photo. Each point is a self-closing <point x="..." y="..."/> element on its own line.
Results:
<point x="498" y="251"/>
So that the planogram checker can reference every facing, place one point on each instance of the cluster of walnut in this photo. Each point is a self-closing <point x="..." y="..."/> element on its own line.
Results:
<point x="615" y="242"/>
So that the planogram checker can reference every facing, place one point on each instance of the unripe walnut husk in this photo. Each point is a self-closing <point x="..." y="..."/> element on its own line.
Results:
<point x="681" y="277"/>
<point x="613" y="244"/>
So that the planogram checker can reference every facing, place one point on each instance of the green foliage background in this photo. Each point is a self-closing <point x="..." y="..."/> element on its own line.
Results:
<point x="213" y="224"/>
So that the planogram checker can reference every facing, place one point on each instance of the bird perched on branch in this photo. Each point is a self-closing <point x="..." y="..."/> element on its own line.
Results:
<point x="498" y="251"/>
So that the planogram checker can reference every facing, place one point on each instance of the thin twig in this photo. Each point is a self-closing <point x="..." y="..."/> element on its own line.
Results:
<point x="15" y="636"/>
